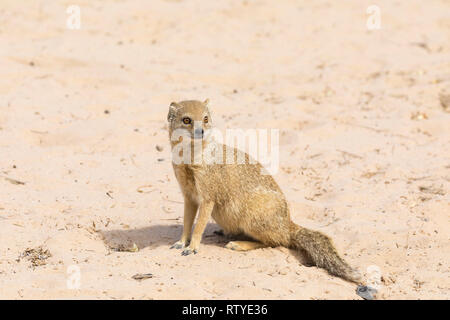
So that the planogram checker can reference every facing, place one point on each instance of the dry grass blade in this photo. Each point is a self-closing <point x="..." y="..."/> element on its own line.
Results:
<point x="13" y="181"/>
<point x="433" y="190"/>
<point x="142" y="276"/>
<point x="145" y="189"/>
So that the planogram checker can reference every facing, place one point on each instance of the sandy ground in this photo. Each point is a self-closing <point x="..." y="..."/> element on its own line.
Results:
<point x="364" y="143"/>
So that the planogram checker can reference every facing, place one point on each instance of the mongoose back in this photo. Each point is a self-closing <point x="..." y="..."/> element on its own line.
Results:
<point x="238" y="196"/>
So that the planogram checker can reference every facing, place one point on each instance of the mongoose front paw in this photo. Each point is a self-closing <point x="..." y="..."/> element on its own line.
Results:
<point x="188" y="251"/>
<point x="178" y="245"/>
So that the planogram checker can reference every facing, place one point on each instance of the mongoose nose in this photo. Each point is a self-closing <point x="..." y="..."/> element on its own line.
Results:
<point x="198" y="133"/>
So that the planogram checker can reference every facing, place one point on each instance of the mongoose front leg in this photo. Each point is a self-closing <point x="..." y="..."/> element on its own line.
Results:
<point x="204" y="214"/>
<point x="190" y="210"/>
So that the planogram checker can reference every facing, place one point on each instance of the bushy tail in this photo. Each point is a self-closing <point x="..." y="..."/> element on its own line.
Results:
<point x="321" y="250"/>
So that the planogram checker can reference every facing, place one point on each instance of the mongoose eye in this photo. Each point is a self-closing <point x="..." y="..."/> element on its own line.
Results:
<point x="187" y="120"/>
<point x="205" y="119"/>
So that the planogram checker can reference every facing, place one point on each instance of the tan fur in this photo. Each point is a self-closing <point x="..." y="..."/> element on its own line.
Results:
<point x="242" y="201"/>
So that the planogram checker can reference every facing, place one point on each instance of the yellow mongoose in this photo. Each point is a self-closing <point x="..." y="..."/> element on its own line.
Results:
<point x="241" y="199"/>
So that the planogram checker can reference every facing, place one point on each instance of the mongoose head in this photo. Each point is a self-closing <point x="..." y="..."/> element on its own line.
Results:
<point x="190" y="117"/>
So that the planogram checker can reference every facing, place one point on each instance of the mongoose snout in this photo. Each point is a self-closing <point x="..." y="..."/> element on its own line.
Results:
<point x="198" y="133"/>
<point x="239" y="197"/>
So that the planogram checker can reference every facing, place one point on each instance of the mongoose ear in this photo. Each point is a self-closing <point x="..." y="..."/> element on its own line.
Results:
<point x="174" y="104"/>
<point x="172" y="111"/>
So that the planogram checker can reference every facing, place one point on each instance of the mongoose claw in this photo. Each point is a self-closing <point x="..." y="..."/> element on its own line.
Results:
<point x="188" y="251"/>
<point x="177" y="245"/>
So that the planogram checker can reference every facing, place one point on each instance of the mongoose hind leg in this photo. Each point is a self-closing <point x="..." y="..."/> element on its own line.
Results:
<point x="245" y="245"/>
<point x="231" y="235"/>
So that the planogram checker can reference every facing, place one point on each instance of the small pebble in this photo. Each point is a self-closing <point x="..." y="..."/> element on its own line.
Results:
<point x="366" y="292"/>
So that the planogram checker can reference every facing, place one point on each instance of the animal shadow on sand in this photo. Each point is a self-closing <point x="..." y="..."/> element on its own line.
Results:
<point x="155" y="236"/>
<point x="166" y="235"/>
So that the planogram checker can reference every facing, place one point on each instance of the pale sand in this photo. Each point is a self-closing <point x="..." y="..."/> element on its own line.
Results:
<point x="354" y="161"/>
